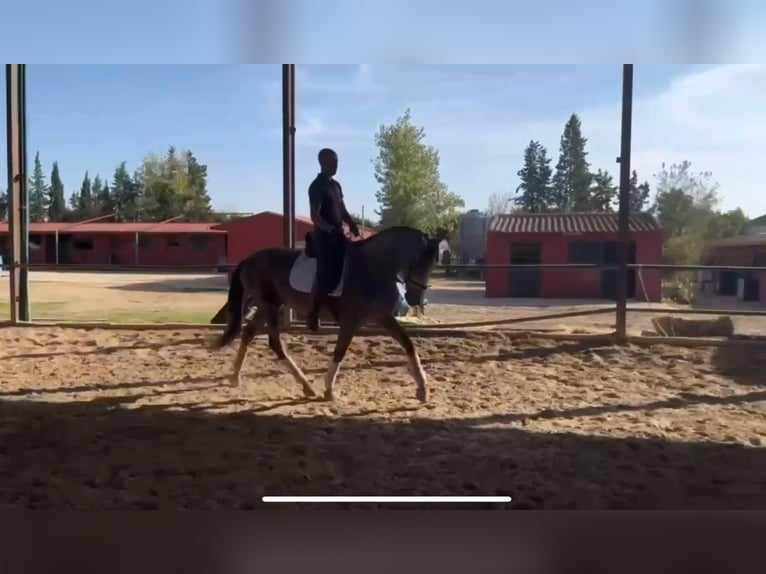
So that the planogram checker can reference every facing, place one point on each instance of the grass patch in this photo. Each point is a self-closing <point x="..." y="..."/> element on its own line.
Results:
<point x="60" y="312"/>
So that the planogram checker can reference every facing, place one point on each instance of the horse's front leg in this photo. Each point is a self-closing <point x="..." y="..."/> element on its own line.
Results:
<point x="275" y="344"/>
<point x="347" y="329"/>
<point x="393" y="327"/>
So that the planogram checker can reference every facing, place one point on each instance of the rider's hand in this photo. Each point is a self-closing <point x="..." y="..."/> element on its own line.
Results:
<point x="354" y="228"/>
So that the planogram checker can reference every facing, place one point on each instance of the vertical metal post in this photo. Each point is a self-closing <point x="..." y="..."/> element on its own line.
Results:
<point x="624" y="209"/>
<point x="135" y="249"/>
<point x="18" y="216"/>
<point x="288" y="162"/>
<point x="57" y="247"/>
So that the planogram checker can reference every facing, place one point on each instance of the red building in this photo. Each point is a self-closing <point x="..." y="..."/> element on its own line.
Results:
<point x="255" y="232"/>
<point x="162" y="244"/>
<point x="551" y="238"/>
<point x="98" y="243"/>
<point x="739" y="251"/>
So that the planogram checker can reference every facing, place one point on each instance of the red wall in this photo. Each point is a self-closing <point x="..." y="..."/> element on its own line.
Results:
<point x="154" y="249"/>
<point x="251" y="234"/>
<point x="571" y="283"/>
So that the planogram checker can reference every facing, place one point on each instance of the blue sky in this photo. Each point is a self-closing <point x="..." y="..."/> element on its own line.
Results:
<point x="480" y="117"/>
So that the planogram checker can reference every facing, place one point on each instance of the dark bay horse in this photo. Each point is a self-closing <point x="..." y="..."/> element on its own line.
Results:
<point x="367" y="293"/>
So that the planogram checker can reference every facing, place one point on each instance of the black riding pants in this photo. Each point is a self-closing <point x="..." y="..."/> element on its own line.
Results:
<point x="331" y="251"/>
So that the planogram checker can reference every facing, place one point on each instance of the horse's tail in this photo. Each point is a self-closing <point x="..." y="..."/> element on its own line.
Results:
<point x="234" y="304"/>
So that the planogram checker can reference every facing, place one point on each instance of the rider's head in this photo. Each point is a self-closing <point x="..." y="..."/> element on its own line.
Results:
<point x="328" y="161"/>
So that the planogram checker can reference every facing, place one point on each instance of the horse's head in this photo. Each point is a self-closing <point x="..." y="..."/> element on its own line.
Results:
<point x="419" y="270"/>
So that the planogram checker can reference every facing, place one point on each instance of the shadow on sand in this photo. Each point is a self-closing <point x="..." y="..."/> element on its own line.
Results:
<point x="178" y="285"/>
<point x="114" y="454"/>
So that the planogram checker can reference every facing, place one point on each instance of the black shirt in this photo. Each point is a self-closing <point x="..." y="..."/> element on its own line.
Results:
<point x="327" y="194"/>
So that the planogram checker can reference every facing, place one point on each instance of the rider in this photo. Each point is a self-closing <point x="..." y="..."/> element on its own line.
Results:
<point x="328" y="213"/>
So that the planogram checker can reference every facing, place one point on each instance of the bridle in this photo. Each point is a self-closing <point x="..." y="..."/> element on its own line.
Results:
<point x="408" y="280"/>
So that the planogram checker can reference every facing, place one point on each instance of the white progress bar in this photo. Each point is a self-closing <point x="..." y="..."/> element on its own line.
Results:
<point x="405" y="499"/>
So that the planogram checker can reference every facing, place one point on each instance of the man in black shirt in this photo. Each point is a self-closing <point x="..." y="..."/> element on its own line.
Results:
<point x="328" y="212"/>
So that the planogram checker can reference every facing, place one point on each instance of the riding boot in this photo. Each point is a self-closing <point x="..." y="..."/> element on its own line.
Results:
<point x="312" y="320"/>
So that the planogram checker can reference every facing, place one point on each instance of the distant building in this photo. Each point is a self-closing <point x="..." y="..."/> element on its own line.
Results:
<point x="472" y="231"/>
<point x="756" y="226"/>
<point x="551" y="238"/>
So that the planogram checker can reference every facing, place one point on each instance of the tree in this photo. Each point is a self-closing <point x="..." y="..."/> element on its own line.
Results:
<point x="639" y="194"/>
<point x="411" y="191"/>
<point x="535" y="177"/>
<point x="105" y="201"/>
<point x="499" y="203"/>
<point x="726" y="224"/>
<point x="38" y="192"/>
<point x="173" y="185"/>
<point x="96" y="192"/>
<point x="684" y="201"/>
<point x="603" y="192"/>
<point x="84" y="207"/>
<point x="572" y="178"/>
<point x="125" y="194"/>
<point x="57" y="210"/>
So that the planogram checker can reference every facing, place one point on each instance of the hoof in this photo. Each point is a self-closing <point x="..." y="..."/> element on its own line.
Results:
<point x="308" y="392"/>
<point x="235" y="380"/>
<point x="329" y="396"/>
<point x="422" y="395"/>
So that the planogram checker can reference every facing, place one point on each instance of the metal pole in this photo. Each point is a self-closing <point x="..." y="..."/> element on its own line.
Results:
<point x="288" y="162"/>
<point x="135" y="248"/>
<point x="57" y="247"/>
<point x="18" y="220"/>
<point x="624" y="210"/>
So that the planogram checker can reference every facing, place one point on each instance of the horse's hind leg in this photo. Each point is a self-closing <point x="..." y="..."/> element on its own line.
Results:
<point x="416" y="369"/>
<point x="275" y="344"/>
<point x="249" y="331"/>
<point x="346" y="334"/>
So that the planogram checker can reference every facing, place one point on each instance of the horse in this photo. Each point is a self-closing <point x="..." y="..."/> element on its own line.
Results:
<point x="366" y="292"/>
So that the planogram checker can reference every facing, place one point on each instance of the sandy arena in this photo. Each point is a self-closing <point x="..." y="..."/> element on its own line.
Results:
<point x="98" y="419"/>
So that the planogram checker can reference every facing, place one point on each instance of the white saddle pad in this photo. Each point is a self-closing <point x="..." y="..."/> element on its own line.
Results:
<point x="303" y="272"/>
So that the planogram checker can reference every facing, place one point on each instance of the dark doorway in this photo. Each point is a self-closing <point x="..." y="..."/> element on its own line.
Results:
<point x="752" y="289"/>
<point x="609" y="277"/>
<point x="50" y="249"/>
<point x="526" y="282"/>
<point x="728" y="283"/>
<point x="605" y="253"/>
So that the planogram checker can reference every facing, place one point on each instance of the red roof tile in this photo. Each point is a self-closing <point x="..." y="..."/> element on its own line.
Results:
<point x="569" y="223"/>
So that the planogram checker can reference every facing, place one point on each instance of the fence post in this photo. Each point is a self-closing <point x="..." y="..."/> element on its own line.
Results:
<point x="288" y="164"/>
<point x="18" y="220"/>
<point x="624" y="209"/>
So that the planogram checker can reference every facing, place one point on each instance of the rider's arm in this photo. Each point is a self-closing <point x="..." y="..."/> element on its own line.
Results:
<point x="346" y="215"/>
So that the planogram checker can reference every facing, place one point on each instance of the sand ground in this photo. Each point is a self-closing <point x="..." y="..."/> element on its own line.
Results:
<point x="127" y="419"/>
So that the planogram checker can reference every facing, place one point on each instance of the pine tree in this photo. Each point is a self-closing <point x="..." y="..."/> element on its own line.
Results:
<point x="639" y="194"/>
<point x="96" y="189"/>
<point x="603" y="192"/>
<point x="85" y="206"/>
<point x="535" y="178"/>
<point x="572" y="179"/>
<point x="56" y="201"/>
<point x="105" y="201"/>
<point x="124" y="194"/>
<point x="38" y="192"/>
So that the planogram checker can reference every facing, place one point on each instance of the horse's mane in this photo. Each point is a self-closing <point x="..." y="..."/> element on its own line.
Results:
<point x="389" y="230"/>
